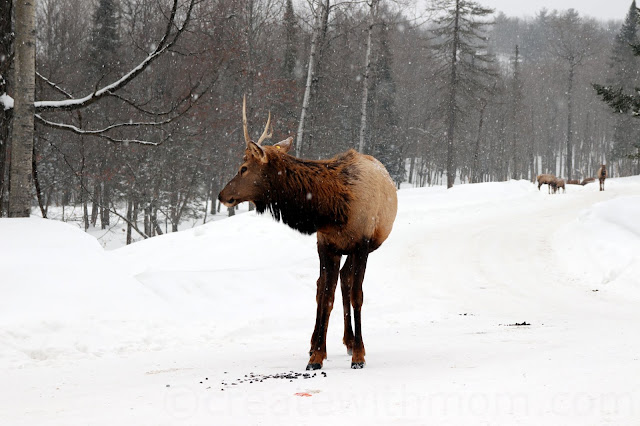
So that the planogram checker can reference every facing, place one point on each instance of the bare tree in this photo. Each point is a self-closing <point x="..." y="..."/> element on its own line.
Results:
<point x="23" y="111"/>
<point x="373" y="11"/>
<point x="21" y="166"/>
<point x="572" y="40"/>
<point x="321" y="17"/>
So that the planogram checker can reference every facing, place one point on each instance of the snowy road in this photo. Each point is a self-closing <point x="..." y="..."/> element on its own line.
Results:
<point x="442" y="295"/>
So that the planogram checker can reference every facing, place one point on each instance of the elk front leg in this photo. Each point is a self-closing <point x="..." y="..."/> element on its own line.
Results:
<point x="327" y="282"/>
<point x="346" y="283"/>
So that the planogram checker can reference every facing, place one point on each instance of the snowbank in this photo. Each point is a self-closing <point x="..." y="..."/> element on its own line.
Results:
<point x="61" y="294"/>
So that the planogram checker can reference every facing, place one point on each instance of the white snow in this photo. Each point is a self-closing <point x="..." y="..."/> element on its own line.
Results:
<point x="6" y="101"/>
<point x="125" y="337"/>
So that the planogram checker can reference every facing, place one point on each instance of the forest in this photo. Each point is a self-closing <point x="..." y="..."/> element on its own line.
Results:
<point x="449" y="94"/>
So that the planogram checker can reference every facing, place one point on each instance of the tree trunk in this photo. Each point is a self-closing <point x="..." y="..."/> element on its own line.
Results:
<point x="451" y="104"/>
<point x="321" y="18"/>
<point x="84" y="193"/>
<point x="6" y="47"/>
<point x="129" y="218"/>
<point x="95" y="205"/>
<point x="365" y="80"/>
<point x="569" y="161"/>
<point x="23" y="109"/>
<point x="105" y="205"/>
<point x="475" y="170"/>
<point x="36" y="181"/>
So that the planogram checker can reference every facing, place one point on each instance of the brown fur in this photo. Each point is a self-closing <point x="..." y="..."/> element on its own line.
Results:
<point x="349" y="200"/>
<point x="546" y="179"/>
<point x="573" y="182"/>
<point x="602" y="175"/>
<point x="588" y="180"/>
<point x="559" y="183"/>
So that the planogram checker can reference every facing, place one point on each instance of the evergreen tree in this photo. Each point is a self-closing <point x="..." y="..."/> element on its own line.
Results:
<point x="385" y="135"/>
<point x="624" y="75"/>
<point x="518" y="156"/>
<point x="104" y="60"/>
<point x="290" y="47"/>
<point x="461" y="47"/>
<point x="103" y="47"/>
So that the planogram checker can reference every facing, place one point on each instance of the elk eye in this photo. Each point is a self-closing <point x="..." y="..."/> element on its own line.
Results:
<point x="243" y="169"/>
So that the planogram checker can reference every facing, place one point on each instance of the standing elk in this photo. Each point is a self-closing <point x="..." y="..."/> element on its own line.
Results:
<point x="350" y="201"/>
<point x="602" y="175"/>
<point x="547" y="179"/>
<point x="559" y="183"/>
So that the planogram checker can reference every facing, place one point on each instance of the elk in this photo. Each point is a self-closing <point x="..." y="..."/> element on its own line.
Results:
<point x="559" y="183"/>
<point x="602" y="175"/>
<point x="573" y="182"/>
<point x="350" y="201"/>
<point x="587" y="181"/>
<point x="546" y="179"/>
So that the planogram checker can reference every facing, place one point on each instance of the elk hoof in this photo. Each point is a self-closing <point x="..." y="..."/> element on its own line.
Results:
<point x="315" y="366"/>
<point x="357" y="365"/>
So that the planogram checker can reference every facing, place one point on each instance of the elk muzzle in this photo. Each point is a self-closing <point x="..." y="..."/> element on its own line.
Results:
<point x="228" y="197"/>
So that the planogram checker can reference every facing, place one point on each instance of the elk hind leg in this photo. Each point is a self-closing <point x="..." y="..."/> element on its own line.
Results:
<point x="359" y="267"/>
<point x="346" y="284"/>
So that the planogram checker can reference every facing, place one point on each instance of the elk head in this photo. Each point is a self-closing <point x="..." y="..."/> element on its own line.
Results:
<point x="254" y="178"/>
<point x="603" y="170"/>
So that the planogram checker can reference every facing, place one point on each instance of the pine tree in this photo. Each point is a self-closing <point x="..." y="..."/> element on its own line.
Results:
<point x="461" y="46"/>
<point x="385" y="135"/>
<point x="104" y="60"/>
<point x="290" y="47"/>
<point x="518" y="157"/>
<point x="103" y="48"/>
<point x="625" y="75"/>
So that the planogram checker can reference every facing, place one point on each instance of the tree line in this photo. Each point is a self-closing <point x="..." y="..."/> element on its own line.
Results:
<point x="450" y="94"/>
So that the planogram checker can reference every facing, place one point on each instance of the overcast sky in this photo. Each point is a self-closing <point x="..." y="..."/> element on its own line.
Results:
<point x="601" y="9"/>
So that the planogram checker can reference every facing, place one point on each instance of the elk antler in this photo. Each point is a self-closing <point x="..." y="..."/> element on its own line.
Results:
<point x="267" y="132"/>
<point x="247" y="139"/>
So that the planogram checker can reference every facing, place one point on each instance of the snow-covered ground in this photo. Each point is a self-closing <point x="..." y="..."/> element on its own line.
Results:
<point x="170" y="330"/>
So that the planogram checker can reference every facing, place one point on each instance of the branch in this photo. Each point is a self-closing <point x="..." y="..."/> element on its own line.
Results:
<point x="99" y="133"/>
<point x="163" y="46"/>
<point x="54" y="86"/>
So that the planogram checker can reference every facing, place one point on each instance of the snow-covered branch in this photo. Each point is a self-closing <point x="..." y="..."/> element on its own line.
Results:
<point x="167" y="41"/>
<point x="101" y="132"/>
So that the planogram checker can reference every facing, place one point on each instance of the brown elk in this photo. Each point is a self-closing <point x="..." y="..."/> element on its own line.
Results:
<point x="573" y="182"/>
<point x="546" y="179"/>
<point x="602" y="175"/>
<point x="559" y="183"/>
<point x="587" y="181"/>
<point x="349" y="200"/>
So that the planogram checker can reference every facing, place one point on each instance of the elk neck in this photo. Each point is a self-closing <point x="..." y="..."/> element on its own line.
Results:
<point x="309" y="195"/>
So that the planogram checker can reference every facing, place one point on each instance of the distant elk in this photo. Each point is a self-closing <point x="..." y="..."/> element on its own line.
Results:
<point x="573" y="182"/>
<point x="559" y="183"/>
<point x="349" y="200"/>
<point x="602" y="175"/>
<point x="588" y="180"/>
<point x="548" y="180"/>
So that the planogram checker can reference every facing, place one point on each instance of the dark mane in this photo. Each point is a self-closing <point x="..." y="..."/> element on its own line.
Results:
<point x="305" y="194"/>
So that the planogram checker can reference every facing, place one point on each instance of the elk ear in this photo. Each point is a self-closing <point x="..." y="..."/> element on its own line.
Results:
<point x="285" y="145"/>
<point x="257" y="152"/>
